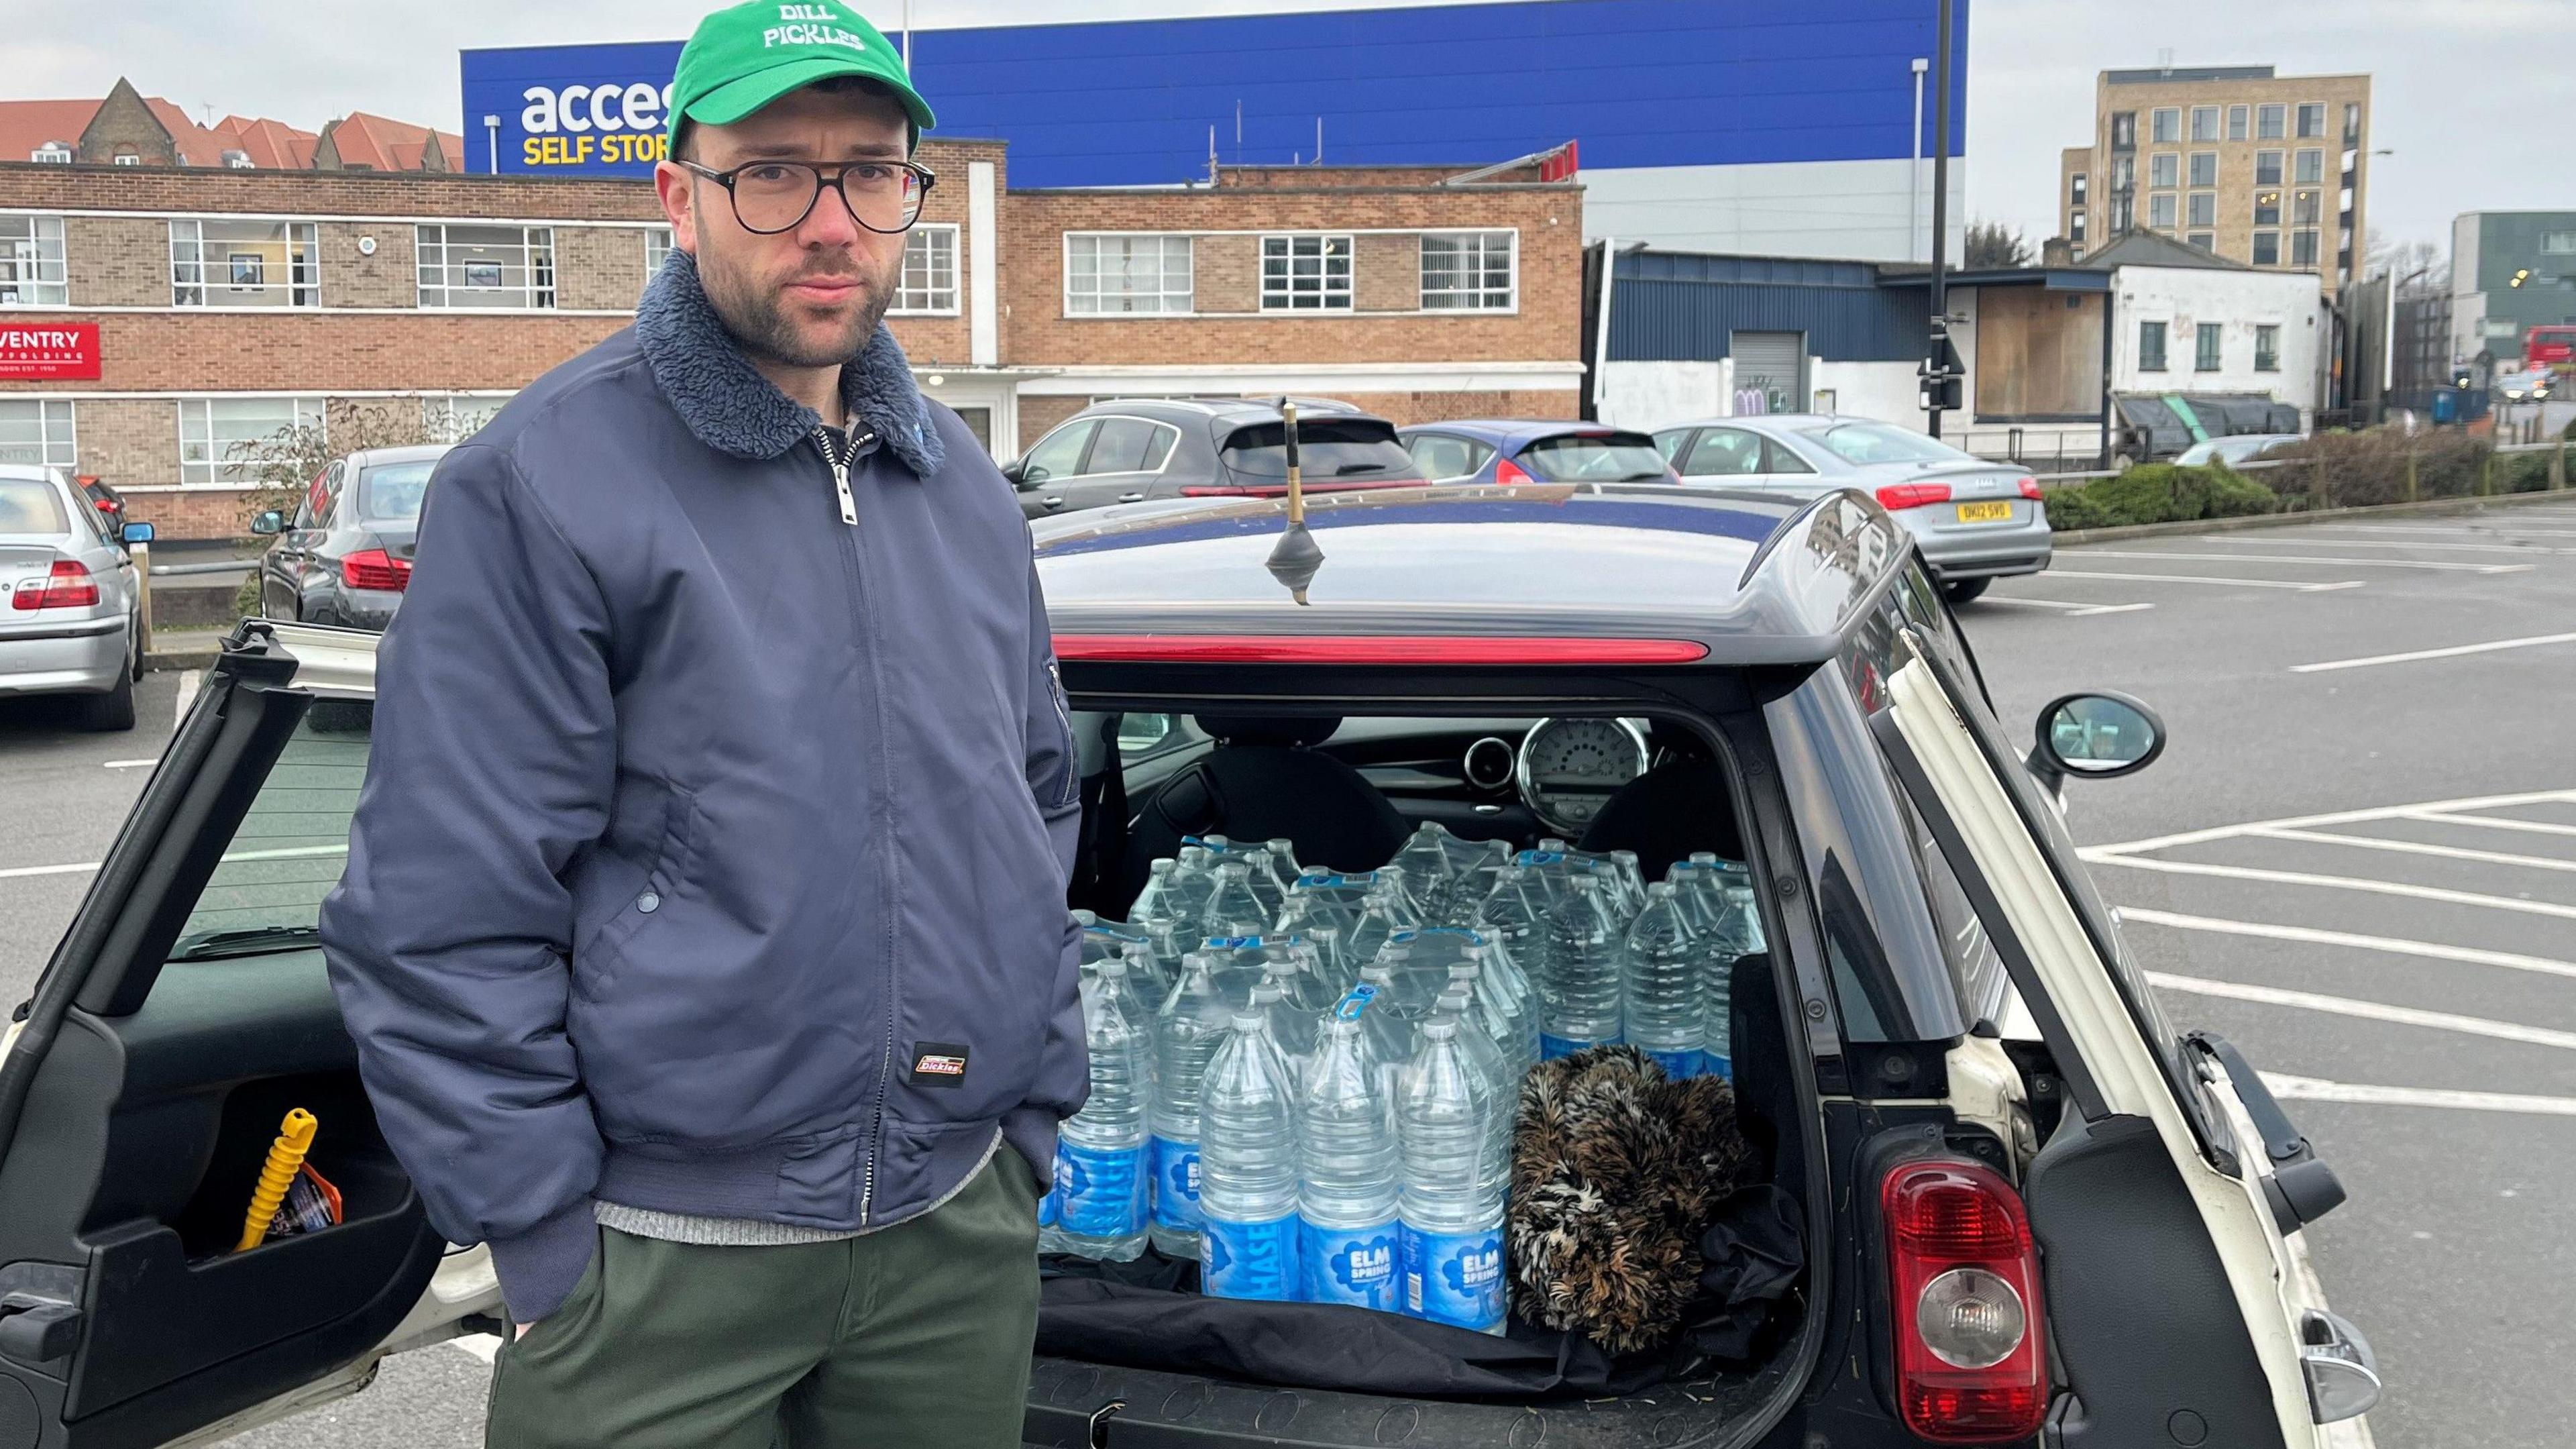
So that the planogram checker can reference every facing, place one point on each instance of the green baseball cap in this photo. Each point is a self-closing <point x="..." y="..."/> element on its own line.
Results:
<point x="745" y="56"/>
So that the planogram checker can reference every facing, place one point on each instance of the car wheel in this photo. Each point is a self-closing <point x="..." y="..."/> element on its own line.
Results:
<point x="1964" y="591"/>
<point x="113" y="710"/>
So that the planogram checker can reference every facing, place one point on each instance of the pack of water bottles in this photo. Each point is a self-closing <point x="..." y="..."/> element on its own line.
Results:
<point x="1306" y="1078"/>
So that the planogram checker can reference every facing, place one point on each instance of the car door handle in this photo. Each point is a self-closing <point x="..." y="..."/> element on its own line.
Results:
<point x="1131" y="497"/>
<point x="1055" y="502"/>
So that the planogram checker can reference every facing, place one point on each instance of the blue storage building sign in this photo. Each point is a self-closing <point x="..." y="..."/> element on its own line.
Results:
<point x="592" y="110"/>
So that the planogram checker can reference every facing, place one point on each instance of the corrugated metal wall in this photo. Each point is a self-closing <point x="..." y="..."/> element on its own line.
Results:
<point x="1670" y="306"/>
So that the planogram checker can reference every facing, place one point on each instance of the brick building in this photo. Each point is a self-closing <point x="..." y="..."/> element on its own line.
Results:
<point x="231" y="303"/>
<point x="2269" y="170"/>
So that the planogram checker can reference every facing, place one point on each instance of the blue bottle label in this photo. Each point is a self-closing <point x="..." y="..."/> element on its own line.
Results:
<point x="1100" y="1192"/>
<point x="1176" y="1184"/>
<point x="1717" y="1064"/>
<point x="1680" y="1065"/>
<point x="1551" y="1047"/>
<point x="1355" y="1266"/>
<point x="1454" y="1278"/>
<point x="1249" y="1260"/>
<point x="1051" y="1204"/>
<point x="1354" y="1001"/>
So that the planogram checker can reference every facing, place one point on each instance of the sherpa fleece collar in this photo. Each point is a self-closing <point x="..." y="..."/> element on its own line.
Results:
<point x="733" y="409"/>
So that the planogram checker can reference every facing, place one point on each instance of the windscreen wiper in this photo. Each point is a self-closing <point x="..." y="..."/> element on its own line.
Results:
<point x="1359" y="468"/>
<point x="245" y="941"/>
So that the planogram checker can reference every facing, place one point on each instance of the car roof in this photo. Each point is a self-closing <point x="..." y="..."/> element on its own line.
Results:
<point x="27" y="472"/>
<point x="1757" y="577"/>
<point x="411" y="453"/>
<point x="1758" y="419"/>
<point x="1222" y="412"/>
<point x="1517" y="430"/>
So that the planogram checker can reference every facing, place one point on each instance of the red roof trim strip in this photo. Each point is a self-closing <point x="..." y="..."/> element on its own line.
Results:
<point x="1371" y="649"/>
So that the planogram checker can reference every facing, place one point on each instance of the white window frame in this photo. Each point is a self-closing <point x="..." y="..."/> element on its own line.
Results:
<point x="202" y="271"/>
<point x="437" y="280"/>
<point x="657" y="247"/>
<point x="55" y="442"/>
<point x="2164" y="126"/>
<point x="198" y="429"/>
<point x="2209" y="132"/>
<point x="2558" y="243"/>
<point x="1174" y="293"/>
<point x="2308" y="166"/>
<point x="2161" y="211"/>
<point x="2198" y="174"/>
<point x="52" y="153"/>
<point x="1472" y="296"/>
<point x="2200" y="209"/>
<point x="2272" y="121"/>
<point x="2164" y="170"/>
<point x="34" y="269"/>
<point x="927" y="285"/>
<point x="2299" y="121"/>
<point x="1330" y="293"/>
<point x="2240" y="122"/>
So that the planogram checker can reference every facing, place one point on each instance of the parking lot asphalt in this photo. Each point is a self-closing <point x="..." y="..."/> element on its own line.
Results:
<point x="2357" y="860"/>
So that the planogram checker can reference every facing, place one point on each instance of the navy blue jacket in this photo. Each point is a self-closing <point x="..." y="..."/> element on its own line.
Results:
<point x="712" y="853"/>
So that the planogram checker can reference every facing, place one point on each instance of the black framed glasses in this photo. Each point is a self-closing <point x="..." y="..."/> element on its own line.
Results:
<point x="774" y="196"/>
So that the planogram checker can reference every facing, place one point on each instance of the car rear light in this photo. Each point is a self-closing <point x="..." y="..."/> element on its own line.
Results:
<point x="1508" y="471"/>
<point x="2029" y="489"/>
<point x="1963" y="1276"/>
<point x="69" y="586"/>
<point x="1370" y="649"/>
<point x="1894" y="496"/>
<point x="105" y="505"/>
<point x="373" y="568"/>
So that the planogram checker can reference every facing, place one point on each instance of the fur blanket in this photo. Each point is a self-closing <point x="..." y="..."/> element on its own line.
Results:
<point x="1615" y="1171"/>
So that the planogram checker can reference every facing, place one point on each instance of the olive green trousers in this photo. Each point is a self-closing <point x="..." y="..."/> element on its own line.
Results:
<point x="913" y="1335"/>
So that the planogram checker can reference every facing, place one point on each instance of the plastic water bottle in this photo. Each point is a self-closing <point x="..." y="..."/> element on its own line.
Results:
<point x="1103" y="1184"/>
<point x="1424" y="859"/>
<point x="1632" y="881"/>
<point x="1334" y="970"/>
<point x="1248" y="1169"/>
<point x="1192" y="1021"/>
<point x="1450" y="1218"/>
<point x="1289" y="1029"/>
<point x="1140" y="997"/>
<point x="1283" y="854"/>
<point x="1234" y="908"/>
<point x="1347" y="1169"/>
<point x="1666" y="970"/>
<point x="1742" y="926"/>
<point x="1516" y="913"/>
<point x="1261" y="872"/>
<point x="1153" y="902"/>
<point x="1472" y="878"/>
<point x="1192" y="882"/>
<point x="1406" y="888"/>
<point x="1385" y="912"/>
<point x="1510" y="1006"/>
<point x="1588" y="960"/>
<point x="1390" y="1033"/>
<point x="1614" y="892"/>
<point x="1502" y="1084"/>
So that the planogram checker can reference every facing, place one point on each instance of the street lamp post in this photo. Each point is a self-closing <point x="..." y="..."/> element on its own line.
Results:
<point x="1940" y="370"/>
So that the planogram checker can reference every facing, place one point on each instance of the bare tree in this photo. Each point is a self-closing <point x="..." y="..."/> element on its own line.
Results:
<point x="286" y="462"/>
<point x="2419" y="266"/>
<point x="1993" y="244"/>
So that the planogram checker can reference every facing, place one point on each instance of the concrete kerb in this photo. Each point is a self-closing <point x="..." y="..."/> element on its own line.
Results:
<point x="183" y="649"/>
<point x="2431" y="507"/>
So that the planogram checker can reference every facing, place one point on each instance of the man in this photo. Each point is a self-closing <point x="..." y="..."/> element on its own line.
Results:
<point x="703" y="932"/>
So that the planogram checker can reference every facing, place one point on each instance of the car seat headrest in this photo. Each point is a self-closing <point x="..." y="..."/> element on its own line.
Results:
<point x="1264" y="729"/>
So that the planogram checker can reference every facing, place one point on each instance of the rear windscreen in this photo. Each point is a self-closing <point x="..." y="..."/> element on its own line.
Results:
<point x="1614" y="458"/>
<point x="31" y="505"/>
<point x="1332" y="448"/>
<point x="393" y="490"/>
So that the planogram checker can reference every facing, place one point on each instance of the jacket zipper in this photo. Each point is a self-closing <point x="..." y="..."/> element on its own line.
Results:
<point x="839" y="462"/>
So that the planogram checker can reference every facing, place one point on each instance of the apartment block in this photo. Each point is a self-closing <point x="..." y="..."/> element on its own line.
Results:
<point x="221" y="305"/>
<point x="2265" y="169"/>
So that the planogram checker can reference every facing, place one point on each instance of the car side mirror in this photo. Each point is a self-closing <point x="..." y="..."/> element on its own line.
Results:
<point x="268" y="522"/>
<point x="138" y="533"/>
<point x="1015" y="471"/>
<point x="2097" y="735"/>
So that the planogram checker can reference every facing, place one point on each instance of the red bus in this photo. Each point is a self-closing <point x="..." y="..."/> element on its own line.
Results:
<point x="2550" y="345"/>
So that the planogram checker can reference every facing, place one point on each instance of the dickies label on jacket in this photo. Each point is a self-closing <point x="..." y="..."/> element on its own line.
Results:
<point x="939" y="1064"/>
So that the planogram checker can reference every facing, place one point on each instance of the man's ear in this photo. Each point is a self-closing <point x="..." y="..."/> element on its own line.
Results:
<point x="672" y="185"/>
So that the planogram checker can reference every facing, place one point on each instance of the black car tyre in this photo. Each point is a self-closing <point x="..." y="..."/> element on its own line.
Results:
<point x="1964" y="591"/>
<point x="113" y="710"/>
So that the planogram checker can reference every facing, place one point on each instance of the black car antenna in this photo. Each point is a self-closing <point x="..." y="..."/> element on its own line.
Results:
<point x="1297" y="557"/>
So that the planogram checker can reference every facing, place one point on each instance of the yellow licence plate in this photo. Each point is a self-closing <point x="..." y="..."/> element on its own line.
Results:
<point x="1985" y="513"/>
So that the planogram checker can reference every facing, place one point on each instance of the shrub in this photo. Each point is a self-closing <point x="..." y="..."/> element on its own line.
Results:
<point x="2369" y="467"/>
<point x="2157" y="493"/>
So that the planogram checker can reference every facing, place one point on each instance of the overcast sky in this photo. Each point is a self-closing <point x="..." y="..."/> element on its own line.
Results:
<point x="2472" y="95"/>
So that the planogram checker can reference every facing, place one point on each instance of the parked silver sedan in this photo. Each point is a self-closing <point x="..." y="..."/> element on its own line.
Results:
<point x="68" y="617"/>
<point x="1975" y="521"/>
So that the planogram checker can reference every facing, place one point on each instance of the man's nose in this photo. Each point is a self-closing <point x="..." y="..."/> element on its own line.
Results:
<point x="829" y="223"/>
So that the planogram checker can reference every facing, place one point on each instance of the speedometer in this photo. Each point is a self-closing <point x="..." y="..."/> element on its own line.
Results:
<point x="1569" y="768"/>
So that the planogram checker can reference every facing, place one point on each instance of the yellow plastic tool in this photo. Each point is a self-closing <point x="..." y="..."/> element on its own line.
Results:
<point x="285" y="1156"/>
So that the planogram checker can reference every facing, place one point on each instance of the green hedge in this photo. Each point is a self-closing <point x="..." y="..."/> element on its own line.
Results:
<point x="2157" y="493"/>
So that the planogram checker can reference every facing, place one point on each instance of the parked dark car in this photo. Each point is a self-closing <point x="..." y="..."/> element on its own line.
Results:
<point x="2024" y="1208"/>
<point x="1533" y="451"/>
<point x="343" y="556"/>
<point x="109" y="503"/>
<point x="1127" y="451"/>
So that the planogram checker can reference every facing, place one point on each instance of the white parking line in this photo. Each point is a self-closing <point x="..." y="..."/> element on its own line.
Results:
<point x="2059" y="570"/>
<point x="2293" y="558"/>
<point x="2526" y="642"/>
<point x="2073" y="611"/>
<point x="2335" y="882"/>
<point x="485" y="1345"/>
<point x="2524" y="549"/>
<point x="128" y="764"/>
<point x="2336" y="817"/>
<point x="2493" y="822"/>
<point x="2412" y="847"/>
<point x="189" y="682"/>
<point x="2309" y="935"/>
<point x="2365" y="1010"/>
<point x="2314" y="1089"/>
<point x="292" y="852"/>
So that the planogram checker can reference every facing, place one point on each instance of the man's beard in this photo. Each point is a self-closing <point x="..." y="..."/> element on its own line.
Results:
<point x="756" y="315"/>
